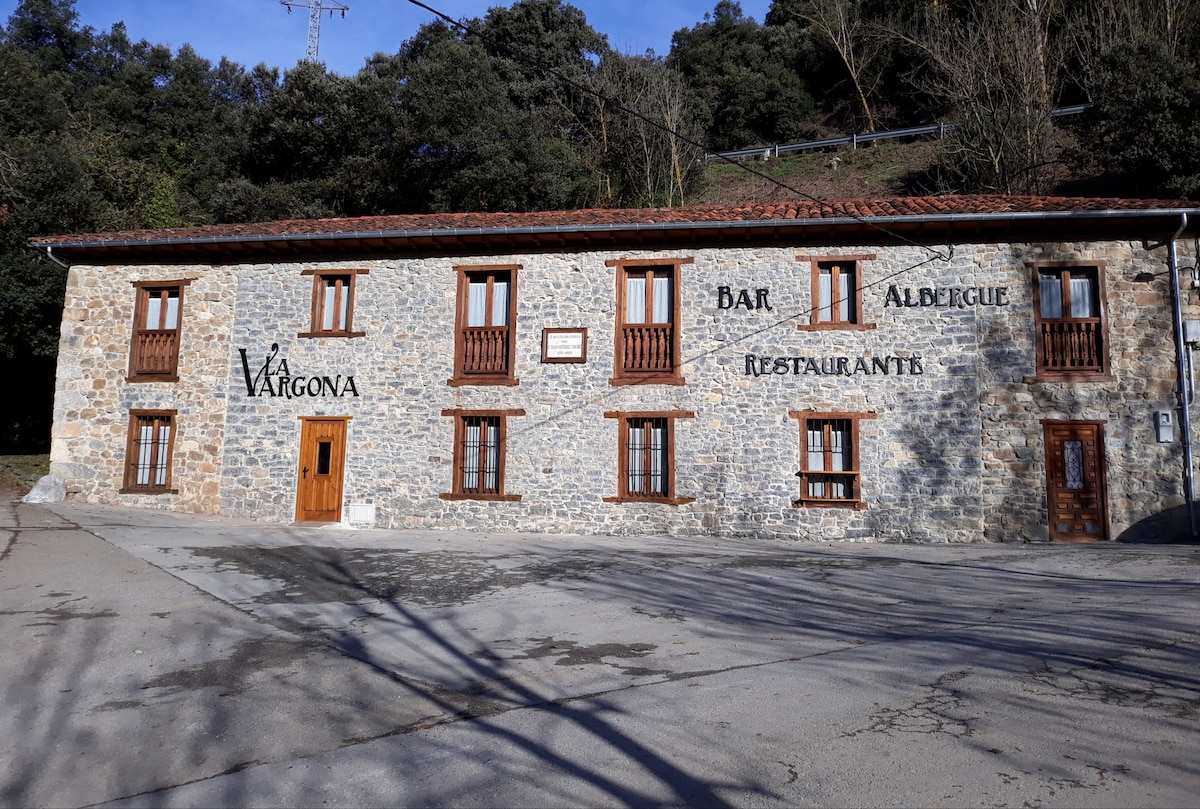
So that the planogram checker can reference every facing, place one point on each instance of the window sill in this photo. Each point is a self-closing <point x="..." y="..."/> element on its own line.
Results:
<point x="483" y="379"/>
<point x="127" y="490"/>
<point x="804" y="502"/>
<point x="666" y="501"/>
<point x="835" y="326"/>
<point x="503" y="498"/>
<point x="647" y="379"/>
<point x="308" y="335"/>
<point x="1068" y="376"/>
<point x="138" y="378"/>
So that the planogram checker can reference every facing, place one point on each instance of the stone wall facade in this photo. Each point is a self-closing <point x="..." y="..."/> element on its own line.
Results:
<point x="93" y="397"/>
<point x="950" y="441"/>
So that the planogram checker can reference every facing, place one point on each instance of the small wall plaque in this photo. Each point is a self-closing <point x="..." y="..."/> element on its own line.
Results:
<point x="564" y="345"/>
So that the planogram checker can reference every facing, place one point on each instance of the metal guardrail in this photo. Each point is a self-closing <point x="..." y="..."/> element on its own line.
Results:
<point x="864" y="137"/>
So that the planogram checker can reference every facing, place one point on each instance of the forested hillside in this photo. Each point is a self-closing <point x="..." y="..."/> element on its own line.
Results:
<point x="529" y="108"/>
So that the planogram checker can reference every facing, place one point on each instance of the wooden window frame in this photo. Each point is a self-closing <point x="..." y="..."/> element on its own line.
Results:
<point x="1051" y="374"/>
<point x="320" y="277"/>
<point x="462" y="376"/>
<point x="129" y="480"/>
<point x="622" y="375"/>
<point x="623" y="422"/>
<point x="460" y="417"/>
<point x="854" y="474"/>
<point x="836" y="264"/>
<point x="141" y="335"/>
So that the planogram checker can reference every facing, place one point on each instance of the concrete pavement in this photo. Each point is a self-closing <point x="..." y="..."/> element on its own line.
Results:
<point x="159" y="659"/>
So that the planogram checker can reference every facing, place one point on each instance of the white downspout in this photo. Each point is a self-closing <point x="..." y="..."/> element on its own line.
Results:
<point x="1189" y="482"/>
<point x="50" y="255"/>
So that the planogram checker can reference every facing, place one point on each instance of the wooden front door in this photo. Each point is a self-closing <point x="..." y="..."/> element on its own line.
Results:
<point x="1075" y="481"/>
<point x="319" y="479"/>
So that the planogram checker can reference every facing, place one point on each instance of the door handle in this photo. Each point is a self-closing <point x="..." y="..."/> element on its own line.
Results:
<point x="305" y="473"/>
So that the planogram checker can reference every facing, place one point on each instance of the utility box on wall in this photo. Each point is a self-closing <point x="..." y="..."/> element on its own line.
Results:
<point x="1164" y="426"/>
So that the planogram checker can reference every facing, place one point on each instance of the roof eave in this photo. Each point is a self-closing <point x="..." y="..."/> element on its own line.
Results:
<point x="883" y="229"/>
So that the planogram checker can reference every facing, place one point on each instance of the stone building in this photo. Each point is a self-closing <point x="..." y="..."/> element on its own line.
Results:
<point x="921" y="369"/>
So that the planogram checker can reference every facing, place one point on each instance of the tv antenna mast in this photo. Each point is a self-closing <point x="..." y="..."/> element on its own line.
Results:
<point x="315" y="8"/>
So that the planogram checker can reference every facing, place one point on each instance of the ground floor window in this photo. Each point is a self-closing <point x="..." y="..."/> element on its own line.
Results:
<point x="646" y="457"/>
<point x="830" y="472"/>
<point x="148" y="453"/>
<point x="480" y="448"/>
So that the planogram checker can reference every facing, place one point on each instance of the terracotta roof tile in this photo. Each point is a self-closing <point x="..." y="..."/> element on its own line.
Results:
<point x="755" y="212"/>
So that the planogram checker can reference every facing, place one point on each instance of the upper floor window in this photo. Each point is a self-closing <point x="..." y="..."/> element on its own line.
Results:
<point x="1071" y="333"/>
<point x="647" y="329"/>
<point x="646" y="457"/>
<point x="837" y="293"/>
<point x="829" y="459"/>
<point x="333" y="303"/>
<point x="148" y="452"/>
<point x="480" y="446"/>
<point x="484" y="341"/>
<point x="154" y="354"/>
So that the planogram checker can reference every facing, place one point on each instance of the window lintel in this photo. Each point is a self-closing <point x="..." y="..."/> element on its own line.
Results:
<point x="332" y="271"/>
<point x="830" y="414"/>
<point x="487" y="267"/>
<point x="834" y="259"/>
<point x="178" y="282"/>
<point x="649" y="262"/>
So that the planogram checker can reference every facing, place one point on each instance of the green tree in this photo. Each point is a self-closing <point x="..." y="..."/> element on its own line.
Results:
<point x="745" y="84"/>
<point x="1144" y="124"/>
<point x="48" y="32"/>
<point x="494" y="125"/>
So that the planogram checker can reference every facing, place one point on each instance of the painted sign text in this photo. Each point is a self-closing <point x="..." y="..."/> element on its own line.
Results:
<point x="759" y="365"/>
<point x="946" y="297"/>
<point x="726" y="299"/>
<point x="276" y="379"/>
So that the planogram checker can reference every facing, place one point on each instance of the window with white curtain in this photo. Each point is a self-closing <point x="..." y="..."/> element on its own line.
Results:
<point x="647" y="344"/>
<point x="829" y="450"/>
<point x="646" y="456"/>
<point x="484" y="343"/>
<point x="1071" y="336"/>
<point x="148" y="457"/>
<point x="479" y="472"/>
<point x="480" y="450"/>
<point x="836" y="293"/>
<point x="333" y="303"/>
<point x="829" y="459"/>
<point x="154" y="354"/>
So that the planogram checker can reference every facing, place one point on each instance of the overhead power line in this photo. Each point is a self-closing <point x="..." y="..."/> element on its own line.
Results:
<point x="315" y="9"/>
<point x="613" y="103"/>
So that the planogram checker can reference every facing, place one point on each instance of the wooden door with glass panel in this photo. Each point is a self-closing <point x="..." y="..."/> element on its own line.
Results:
<point x="319" y="478"/>
<point x="1075" y="481"/>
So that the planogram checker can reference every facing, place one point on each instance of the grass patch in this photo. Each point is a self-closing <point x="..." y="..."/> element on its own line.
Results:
<point x="20" y="472"/>
<point x="868" y="172"/>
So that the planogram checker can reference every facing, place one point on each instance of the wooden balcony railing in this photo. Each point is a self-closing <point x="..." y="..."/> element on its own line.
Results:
<point x="830" y="487"/>
<point x="155" y="352"/>
<point x="1072" y="345"/>
<point x="648" y="348"/>
<point x="485" y="350"/>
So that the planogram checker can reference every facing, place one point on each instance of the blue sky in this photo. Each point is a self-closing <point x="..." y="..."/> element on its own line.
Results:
<point x="253" y="31"/>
